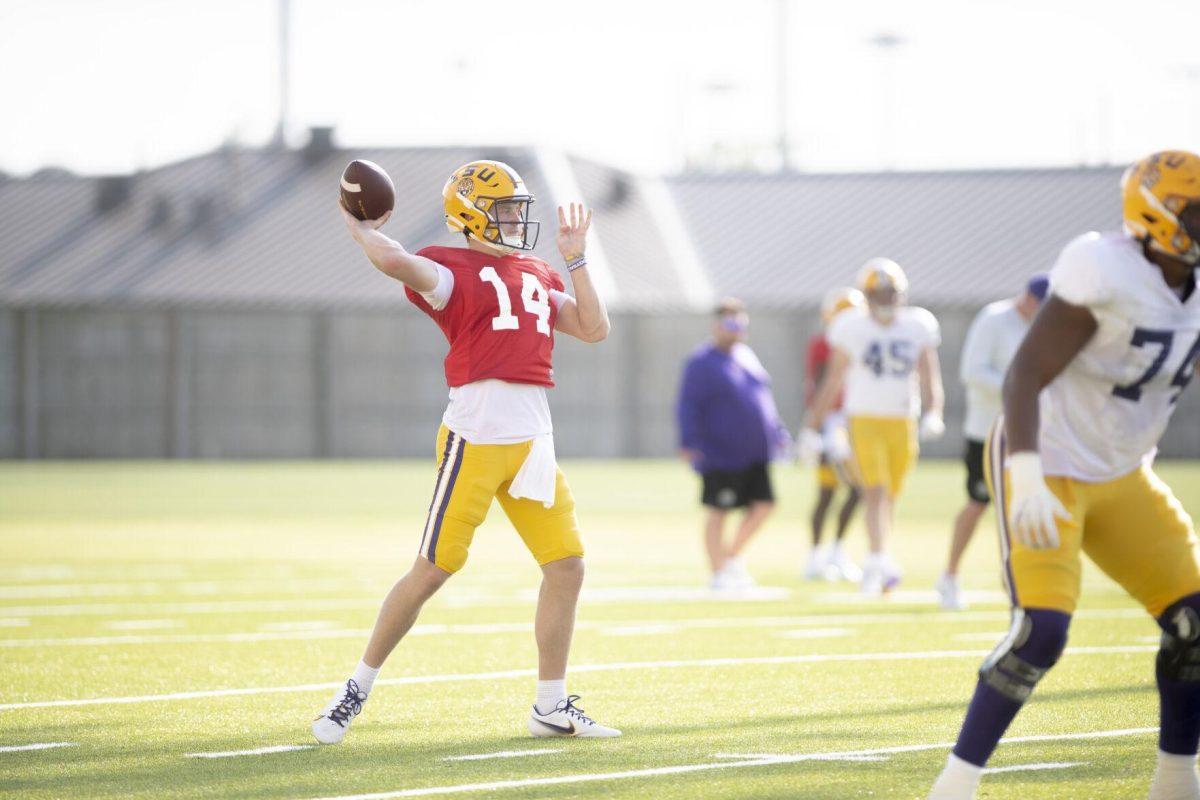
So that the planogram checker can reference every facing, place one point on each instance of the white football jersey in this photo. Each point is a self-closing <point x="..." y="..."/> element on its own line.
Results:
<point x="882" y="379"/>
<point x="1103" y="416"/>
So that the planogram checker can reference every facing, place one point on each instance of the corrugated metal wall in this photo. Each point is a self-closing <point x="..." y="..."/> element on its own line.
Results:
<point x="205" y="383"/>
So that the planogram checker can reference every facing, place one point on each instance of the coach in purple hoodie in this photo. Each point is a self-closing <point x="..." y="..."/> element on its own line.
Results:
<point x="729" y="430"/>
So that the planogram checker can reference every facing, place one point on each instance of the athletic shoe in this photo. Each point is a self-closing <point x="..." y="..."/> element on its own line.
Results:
<point x="331" y="726"/>
<point x="567" y="720"/>
<point x="842" y="568"/>
<point x="738" y="575"/>
<point x="721" y="582"/>
<point x="818" y="562"/>
<point x="950" y="594"/>
<point x="880" y="575"/>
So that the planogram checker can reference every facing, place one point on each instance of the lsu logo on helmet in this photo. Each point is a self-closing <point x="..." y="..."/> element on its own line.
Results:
<point x="882" y="273"/>
<point x="488" y="200"/>
<point x="1154" y="191"/>
<point x="838" y="300"/>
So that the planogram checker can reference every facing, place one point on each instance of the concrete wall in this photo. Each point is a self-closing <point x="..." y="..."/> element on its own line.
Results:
<point x="201" y="383"/>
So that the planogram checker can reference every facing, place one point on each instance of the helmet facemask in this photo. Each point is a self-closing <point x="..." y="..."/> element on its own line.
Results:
<point x="883" y="301"/>
<point x="509" y="227"/>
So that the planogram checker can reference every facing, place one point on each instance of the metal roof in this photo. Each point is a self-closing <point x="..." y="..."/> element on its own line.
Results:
<point x="242" y="226"/>
<point x="961" y="236"/>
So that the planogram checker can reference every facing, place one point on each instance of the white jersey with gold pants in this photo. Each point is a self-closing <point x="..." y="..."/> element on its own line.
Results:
<point x="1101" y="420"/>
<point x="883" y="398"/>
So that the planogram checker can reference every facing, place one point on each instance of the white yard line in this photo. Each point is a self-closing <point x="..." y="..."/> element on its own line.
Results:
<point x="1032" y="767"/>
<point x="14" y="622"/>
<point x="17" y="748"/>
<point x="142" y="624"/>
<point x="606" y="628"/>
<point x="718" y="765"/>
<point x="260" y="751"/>
<point x="503" y="754"/>
<point x="812" y="658"/>
<point x="815" y="633"/>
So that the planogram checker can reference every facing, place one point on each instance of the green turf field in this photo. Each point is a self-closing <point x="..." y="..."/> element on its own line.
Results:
<point x="149" y="611"/>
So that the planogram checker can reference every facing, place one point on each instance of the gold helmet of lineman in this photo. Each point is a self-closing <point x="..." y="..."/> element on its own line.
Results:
<point x="488" y="201"/>
<point x="1154" y="191"/>
<point x="883" y="284"/>
<point x="838" y="300"/>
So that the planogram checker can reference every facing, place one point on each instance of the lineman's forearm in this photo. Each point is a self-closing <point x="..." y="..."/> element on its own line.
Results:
<point x="1021" y="413"/>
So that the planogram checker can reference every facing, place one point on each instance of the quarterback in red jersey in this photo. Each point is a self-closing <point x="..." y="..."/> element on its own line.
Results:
<point x="498" y="307"/>
<point x="830" y="561"/>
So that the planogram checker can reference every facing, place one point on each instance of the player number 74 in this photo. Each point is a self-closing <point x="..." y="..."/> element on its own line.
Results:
<point x="1164" y="339"/>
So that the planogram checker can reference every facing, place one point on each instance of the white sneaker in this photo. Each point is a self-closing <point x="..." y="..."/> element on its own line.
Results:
<point x="843" y="568"/>
<point x="738" y="575"/>
<point x="567" y="720"/>
<point x="880" y="575"/>
<point x="950" y="595"/>
<point x="331" y="726"/>
<point x="721" y="581"/>
<point x="818" y="562"/>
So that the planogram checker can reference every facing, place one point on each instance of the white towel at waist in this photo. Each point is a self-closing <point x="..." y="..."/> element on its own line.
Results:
<point x="537" y="478"/>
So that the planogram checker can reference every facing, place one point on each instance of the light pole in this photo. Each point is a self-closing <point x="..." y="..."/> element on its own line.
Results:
<point x="887" y="44"/>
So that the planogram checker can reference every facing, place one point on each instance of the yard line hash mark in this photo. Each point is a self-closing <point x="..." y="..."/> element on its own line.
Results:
<point x="259" y="751"/>
<point x="503" y="754"/>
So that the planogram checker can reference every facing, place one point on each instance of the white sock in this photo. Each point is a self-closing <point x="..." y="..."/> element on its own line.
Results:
<point x="365" y="677"/>
<point x="1175" y="778"/>
<point x="550" y="694"/>
<point x="959" y="779"/>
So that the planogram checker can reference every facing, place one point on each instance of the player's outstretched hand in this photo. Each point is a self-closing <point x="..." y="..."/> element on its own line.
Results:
<point x="358" y="227"/>
<point x="1035" y="510"/>
<point x="572" y="232"/>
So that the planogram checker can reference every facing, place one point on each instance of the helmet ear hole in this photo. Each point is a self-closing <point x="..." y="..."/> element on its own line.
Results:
<point x="1149" y="218"/>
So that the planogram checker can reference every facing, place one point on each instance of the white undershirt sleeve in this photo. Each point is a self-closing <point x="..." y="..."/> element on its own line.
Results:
<point x="558" y="298"/>
<point x="439" y="295"/>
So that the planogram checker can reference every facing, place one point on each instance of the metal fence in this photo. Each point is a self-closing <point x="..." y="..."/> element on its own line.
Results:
<point x="110" y="382"/>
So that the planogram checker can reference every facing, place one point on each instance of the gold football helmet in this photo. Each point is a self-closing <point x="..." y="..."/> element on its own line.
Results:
<point x="1154" y="191"/>
<point x="838" y="300"/>
<point x="487" y="200"/>
<point x="881" y="274"/>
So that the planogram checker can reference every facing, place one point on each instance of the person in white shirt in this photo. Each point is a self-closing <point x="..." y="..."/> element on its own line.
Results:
<point x="886" y="357"/>
<point x="992" y="341"/>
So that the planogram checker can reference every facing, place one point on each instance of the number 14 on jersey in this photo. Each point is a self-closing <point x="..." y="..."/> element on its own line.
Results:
<point x="533" y="296"/>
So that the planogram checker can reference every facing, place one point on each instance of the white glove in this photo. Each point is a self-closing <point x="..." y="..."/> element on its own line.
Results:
<point x="837" y="445"/>
<point x="932" y="427"/>
<point x="809" y="446"/>
<point x="1033" y="508"/>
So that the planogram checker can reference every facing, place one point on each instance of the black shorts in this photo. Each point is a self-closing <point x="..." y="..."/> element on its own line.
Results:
<point x="977" y="488"/>
<point x="737" y="488"/>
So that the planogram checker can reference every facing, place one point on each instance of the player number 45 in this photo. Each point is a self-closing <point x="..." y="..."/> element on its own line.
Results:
<point x="533" y="296"/>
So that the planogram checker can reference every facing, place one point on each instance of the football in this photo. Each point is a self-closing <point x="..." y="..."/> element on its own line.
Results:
<point x="367" y="191"/>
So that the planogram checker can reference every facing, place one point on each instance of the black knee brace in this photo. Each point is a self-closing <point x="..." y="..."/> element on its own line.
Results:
<point x="1179" y="648"/>
<point x="1032" y="647"/>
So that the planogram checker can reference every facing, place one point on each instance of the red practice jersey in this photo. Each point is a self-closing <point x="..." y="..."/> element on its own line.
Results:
<point x="814" y="369"/>
<point x="499" y="319"/>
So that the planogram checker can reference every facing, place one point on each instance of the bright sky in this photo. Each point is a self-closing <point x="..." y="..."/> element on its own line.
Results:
<point x="650" y="85"/>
